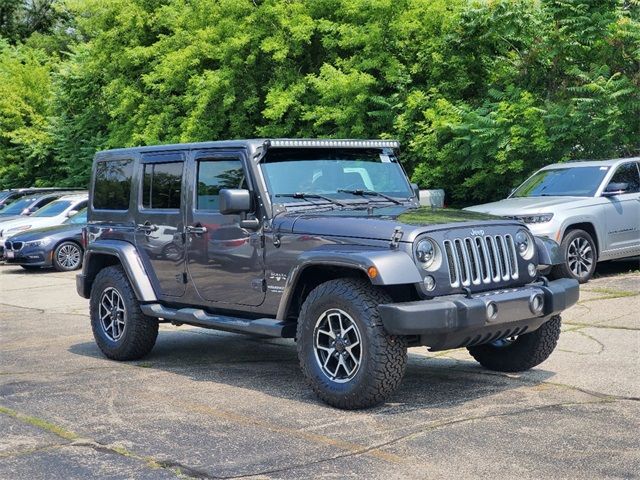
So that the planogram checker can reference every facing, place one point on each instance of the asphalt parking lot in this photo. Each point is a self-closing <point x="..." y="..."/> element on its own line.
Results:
<point x="207" y="404"/>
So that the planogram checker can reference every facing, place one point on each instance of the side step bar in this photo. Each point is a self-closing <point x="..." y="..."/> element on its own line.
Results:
<point x="262" y="326"/>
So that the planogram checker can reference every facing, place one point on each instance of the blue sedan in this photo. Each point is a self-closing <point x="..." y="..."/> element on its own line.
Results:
<point x="59" y="247"/>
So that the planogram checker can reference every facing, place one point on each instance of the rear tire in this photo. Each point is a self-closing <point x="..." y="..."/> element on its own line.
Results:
<point x="524" y="352"/>
<point x="580" y="256"/>
<point x="119" y="327"/>
<point x="361" y="365"/>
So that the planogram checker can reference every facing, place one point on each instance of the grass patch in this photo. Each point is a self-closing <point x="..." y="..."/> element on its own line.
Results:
<point x="40" y="423"/>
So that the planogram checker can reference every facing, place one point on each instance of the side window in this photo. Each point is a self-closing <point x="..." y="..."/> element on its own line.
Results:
<point x="162" y="185"/>
<point x="214" y="175"/>
<point x="627" y="173"/>
<point x="112" y="185"/>
<point x="82" y="205"/>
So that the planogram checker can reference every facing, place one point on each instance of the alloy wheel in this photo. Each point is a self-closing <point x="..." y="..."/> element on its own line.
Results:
<point x="112" y="313"/>
<point x="337" y="345"/>
<point x="580" y="257"/>
<point x="69" y="256"/>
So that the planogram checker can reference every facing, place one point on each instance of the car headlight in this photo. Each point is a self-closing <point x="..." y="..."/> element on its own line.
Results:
<point x="524" y="244"/>
<point x="539" y="218"/>
<point x="427" y="253"/>
<point x="14" y="230"/>
<point x="38" y="243"/>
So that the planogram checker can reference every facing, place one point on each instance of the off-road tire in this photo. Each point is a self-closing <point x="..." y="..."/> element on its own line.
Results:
<point x="564" y="270"/>
<point x="140" y="331"/>
<point x="384" y="356"/>
<point x="525" y="352"/>
<point x="57" y="265"/>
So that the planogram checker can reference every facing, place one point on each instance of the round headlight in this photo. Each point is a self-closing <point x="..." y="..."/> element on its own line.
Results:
<point x="524" y="244"/>
<point x="426" y="252"/>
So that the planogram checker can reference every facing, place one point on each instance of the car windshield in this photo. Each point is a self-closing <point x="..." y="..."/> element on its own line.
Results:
<point x="53" y="209"/>
<point x="18" y="206"/>
<point x="322" y="172"/>
<point x="563" y="182"/>
<point x="79" y="218"/>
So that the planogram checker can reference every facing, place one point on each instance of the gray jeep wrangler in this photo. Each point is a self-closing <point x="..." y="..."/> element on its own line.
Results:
<point x="322" y="241"/>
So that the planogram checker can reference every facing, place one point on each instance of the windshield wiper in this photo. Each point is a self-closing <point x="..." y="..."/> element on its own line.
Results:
<point x="372" y="193"/>
<point x="303" y="195"/>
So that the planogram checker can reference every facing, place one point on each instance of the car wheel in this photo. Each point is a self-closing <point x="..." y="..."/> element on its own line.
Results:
<point x="516" y="354"/>
<point x="67" y="257"/>
<point x="580" y="257"/>
<point x="346" y="356"/>
<point x="119" y="327"/>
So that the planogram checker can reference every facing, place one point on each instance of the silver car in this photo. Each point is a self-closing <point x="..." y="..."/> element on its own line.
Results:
<point x="591" y="208"/>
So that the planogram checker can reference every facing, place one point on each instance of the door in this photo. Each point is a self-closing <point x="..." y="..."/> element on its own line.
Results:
<point x="622" y="212"/>
<point x="160" y="222"/>
<point x="224" y="260"/>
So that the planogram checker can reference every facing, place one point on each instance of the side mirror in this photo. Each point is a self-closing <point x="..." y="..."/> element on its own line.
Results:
<point x="615" y="189"/>
<point x="234" y="200"/>
<point x="26" y="211"/>
<point x="71" y="213"/>
<point x="416" y="190"/>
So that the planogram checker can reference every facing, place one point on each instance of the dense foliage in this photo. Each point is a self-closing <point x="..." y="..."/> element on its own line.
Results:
<point x="481" y="93"/>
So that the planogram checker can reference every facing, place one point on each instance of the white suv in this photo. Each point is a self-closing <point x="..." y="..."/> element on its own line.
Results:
<point x="592" y="208"/>
<point x="51" y="215"/>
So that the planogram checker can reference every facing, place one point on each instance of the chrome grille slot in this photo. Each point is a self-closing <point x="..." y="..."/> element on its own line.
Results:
<point x="481" y="260"/>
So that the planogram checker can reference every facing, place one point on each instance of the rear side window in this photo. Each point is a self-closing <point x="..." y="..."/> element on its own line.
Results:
<point x="162" y="185"/>
<point x="627" y="173"/>
<point x="214" y="175"/>
<point x="112" y="185"/>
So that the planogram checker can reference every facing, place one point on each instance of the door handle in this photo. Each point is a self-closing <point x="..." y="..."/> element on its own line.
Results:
<point x="146" y="227"/>
<point x="196" y="229"/>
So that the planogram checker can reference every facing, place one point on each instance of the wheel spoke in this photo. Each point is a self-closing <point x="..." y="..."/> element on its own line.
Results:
<point x="337" y="345"/>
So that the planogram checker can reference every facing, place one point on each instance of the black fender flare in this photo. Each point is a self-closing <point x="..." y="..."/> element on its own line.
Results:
<point x="128" y="257"/>
<point x="394" y="267"/>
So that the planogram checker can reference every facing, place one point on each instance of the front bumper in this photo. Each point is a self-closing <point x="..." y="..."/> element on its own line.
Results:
<point x="35" y="257"/>
<point x="455" y="321"/>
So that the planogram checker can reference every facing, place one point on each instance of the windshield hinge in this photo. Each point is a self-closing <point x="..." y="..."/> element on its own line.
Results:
<point x="395" y="238"/>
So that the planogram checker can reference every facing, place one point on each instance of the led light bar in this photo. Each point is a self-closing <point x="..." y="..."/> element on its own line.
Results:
<point x="335" y="143"/>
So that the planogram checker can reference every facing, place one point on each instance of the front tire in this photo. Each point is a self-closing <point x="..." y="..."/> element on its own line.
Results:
<point x="521" y="353"/>
<point x="580" y="257"/>
<point x="119" y="327"/>
<point x="67" y="257"/>
<point x="345" y="354"/>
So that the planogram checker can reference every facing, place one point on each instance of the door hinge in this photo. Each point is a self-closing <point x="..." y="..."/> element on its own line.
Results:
<point x="181" y="278"/>
<point x="395" y="238"/>
<point x="259" y="284"/>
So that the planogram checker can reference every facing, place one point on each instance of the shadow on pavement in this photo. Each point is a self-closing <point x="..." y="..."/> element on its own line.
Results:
<point x="271" y="367"/>
<point x="617" y="267"/>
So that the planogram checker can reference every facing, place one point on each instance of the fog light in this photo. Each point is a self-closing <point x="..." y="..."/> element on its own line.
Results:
<point x="536" y="304"/>
<point x="532" y="270"/>
<point x="492" y="311"/>
<point x="429" y="283"/>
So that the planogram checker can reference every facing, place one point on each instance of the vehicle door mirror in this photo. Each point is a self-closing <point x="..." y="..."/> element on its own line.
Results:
<point x="416" y="190"/>
<point x="234" y="200"/>
<point x="615" y="188"/>
<point x="71" y="213"/>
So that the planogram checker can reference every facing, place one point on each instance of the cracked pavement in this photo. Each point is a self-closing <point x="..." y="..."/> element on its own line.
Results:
<point x="208" y="404"/>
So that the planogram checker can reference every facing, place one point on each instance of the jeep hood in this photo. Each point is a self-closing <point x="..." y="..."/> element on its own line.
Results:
<point x="381" y="224"/>
<point x="527" y="205"/>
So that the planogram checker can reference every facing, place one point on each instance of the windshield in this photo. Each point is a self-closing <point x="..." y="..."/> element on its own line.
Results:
<point x="53" y="209"/>
<point x="79" y="218"/>
<point x="563" y="182"/>
<point x="323" y="172"/>
<point x="17" y="207"/>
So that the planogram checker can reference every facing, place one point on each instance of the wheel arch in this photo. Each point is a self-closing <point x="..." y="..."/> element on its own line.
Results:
<point x="396" y="274"/>
<point x="588" y="227"/>
<point x="113" y="252"/>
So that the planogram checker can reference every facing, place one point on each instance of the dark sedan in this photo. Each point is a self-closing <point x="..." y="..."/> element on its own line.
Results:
<point x="59" y="247"/>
